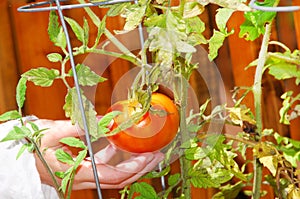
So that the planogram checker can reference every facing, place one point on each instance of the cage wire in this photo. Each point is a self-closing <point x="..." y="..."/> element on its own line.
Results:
<point x="56" y="5"/>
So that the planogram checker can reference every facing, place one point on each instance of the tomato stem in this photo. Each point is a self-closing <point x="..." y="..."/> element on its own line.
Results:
<point x="257" y="91"/>
<point x="184" y="163"/>
<point x="49" y="170"/>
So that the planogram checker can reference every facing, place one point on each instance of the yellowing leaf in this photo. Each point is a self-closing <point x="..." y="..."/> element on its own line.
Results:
<point x="240" y="114"/>
<point x="270" y="162"/>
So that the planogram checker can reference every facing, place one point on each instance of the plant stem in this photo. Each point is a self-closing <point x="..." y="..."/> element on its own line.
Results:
<point x="49" y="170"/>
<point x="184" y="163"/>
<point x="257" y="91"/>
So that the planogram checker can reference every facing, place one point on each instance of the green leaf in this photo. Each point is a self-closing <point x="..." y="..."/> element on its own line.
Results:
<point x="105" y="121"/>
<point x="61" y="40"/>
<point x="86" y="30"/>
<point x="238" y="115"/>
<point x="145" y="190"/>
<point x="73" y="142"/>
<point x="215" y="42"/>
<point x="41" y="76"/>
<point x="117" y="9"/>
<point x="283" y="70"/>
<point x="222" y="18"/>
<point x="54" y="57"/>
<point x="67" y="177"/>
<point x="72" y="110"/>
<point x="101" y="30"/>
<point x="232" y="4"/>
<point x="254" y="25"/>
<point x="55" y="31"/>
<point x="229" y="191"/>
<point x="195" y="153"/>
<point x="10" y="115"/>
<point x="286" y="105"/>
<point x="21" y="92"/>
<point x="76" y="28"/>
<point x="21" y="151"/>
<point x="16" y="133"/>
<point x="173" y="179"/>
<point x="60" y="174"/>
<point x="134" y="16"/>
<point x="86" y="76"/>
<point x="202" y="180"/>
<point x="80" y="157"/>
<point x="64" y="157"/>
<point x="53" y="26"/>
<point x="155" y="174"/>
<point x="192" y="9"/>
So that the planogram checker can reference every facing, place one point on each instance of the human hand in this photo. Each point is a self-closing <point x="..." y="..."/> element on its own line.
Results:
<point x="110" y="177"/>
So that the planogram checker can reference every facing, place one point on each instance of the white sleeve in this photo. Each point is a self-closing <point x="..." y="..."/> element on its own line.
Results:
<point x="19" y="178"/>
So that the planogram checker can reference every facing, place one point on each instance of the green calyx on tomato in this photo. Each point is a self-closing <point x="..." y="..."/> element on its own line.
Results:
<point x="153" y="131"/>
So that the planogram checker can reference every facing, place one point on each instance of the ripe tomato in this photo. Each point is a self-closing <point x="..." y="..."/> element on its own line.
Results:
<point x="156" y="129"/>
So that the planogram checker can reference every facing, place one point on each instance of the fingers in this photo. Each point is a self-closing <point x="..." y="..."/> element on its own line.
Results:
<point x="158" y="157"/>
<point x="118" y="176"/>
<point x="105" y="154"/>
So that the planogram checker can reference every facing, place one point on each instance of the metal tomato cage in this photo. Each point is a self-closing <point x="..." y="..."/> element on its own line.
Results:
<point x="56" y="5"/>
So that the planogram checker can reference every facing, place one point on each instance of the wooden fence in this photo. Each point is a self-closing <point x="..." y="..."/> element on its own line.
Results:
<point x="24" y="44"/>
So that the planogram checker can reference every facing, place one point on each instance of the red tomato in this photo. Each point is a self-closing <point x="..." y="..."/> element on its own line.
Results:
<point x="156" y="129"/>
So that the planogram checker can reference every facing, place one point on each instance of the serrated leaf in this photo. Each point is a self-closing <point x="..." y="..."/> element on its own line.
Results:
<point x="232" y="4"/>
<point x="201" y="180"/>
<point x="86" y="30"/>
<point x="238" y="115"/>
<point x="105" y="121"/>
<point x="64" y="157"/>
<point x="86" y="76"/>
<point x="73" y="142"/>
<point x="10" y="115"/>
<point x="80" y="157"/>
<point x="72" y="110"/>
<point x="271" y="163"/>
<point x="59" y="174"/>
<point x="53" y="26"/>
<point x="55" y="31"/>
<point x="192" y="9"/>
<point x="61" y="40"/>
<point x="76" y="28"/>
<point x="21" y="92"/>
<point x="15" y="134"/>
<point x="254" y="25"/>
<point x="67" y="176"/>
<point x="68" y="107"/>
<point x="284" y="70"/>
<point x="173" y="179"/>
<point x="101" y="30"/>
<point x="134" y="17"/>
<point x="21" y="151"/>
<point x="54" y="57"/>
<point x="215" y="42"/>
<point x="41" y="76"/>
<point x="117" y="9"/>
<point x="222" y="18"/>
<point x="144" y="189"/>
<point x="195" y="153"/>
<point x="229" y="191"/>
<point x="184" y="47"/>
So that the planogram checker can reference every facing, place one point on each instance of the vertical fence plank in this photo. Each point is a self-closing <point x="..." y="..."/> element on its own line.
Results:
<point x="8" y="67"/>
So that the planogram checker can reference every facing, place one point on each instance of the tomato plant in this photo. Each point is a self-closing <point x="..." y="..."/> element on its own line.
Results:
<point x="208" y="157"/>
<point x="153" y="131"/>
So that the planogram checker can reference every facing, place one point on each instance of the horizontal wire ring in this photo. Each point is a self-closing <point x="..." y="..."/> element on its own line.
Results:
<point x="37" y="7"/>
<point x="273" y="9"/>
